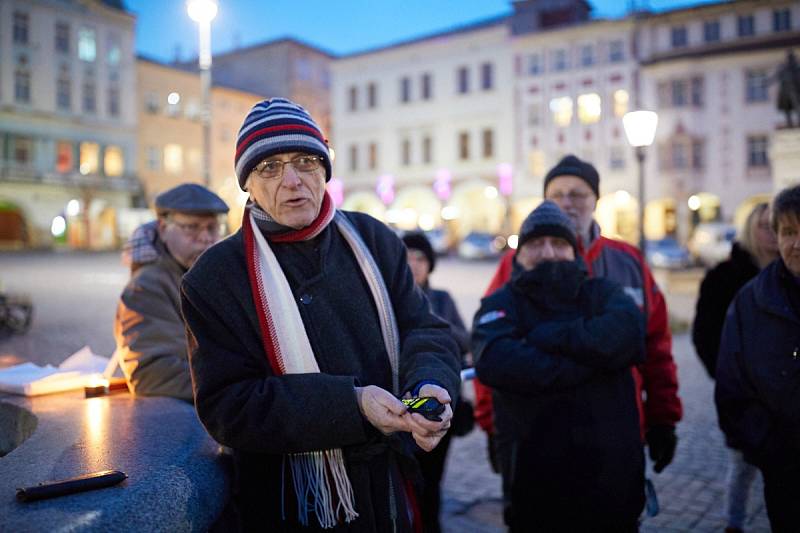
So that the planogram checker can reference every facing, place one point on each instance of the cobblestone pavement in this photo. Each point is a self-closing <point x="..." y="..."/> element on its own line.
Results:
<point x="75" y="296"/>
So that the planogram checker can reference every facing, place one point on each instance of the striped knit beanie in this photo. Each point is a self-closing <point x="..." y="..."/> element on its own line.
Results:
<point x="548" y="220"/>
<point x="276" y="126"/>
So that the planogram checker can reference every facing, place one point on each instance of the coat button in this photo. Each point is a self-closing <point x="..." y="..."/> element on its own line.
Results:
<point x="306" y="299"/>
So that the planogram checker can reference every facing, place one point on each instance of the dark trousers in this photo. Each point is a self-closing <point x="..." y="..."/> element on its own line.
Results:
<point x="431" y="465"/>
<point x="782" y="496"/>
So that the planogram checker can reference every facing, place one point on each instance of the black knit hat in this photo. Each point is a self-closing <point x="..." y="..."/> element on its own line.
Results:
<point x="416" y="240"/>
<point x="548" y="220"/>
<point x="572" y="166"/>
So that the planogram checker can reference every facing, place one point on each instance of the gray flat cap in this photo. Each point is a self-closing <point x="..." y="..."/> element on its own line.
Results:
<point x="190" y="198"/>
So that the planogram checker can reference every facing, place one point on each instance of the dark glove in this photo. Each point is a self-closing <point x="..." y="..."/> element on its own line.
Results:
<point x="491" y="449"/>
<point x="661" y="440"/>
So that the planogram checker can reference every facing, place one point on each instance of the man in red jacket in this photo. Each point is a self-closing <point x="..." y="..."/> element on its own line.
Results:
<point x="573" y="184"/>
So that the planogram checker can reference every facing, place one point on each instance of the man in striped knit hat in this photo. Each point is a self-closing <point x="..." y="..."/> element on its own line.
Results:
<point x="305" y="329"/>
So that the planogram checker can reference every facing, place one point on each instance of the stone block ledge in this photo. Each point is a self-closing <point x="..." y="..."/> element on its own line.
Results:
<point x="177" y="479"/>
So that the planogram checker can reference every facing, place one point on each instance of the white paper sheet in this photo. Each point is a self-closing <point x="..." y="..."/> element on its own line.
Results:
<point x="76" y="372"/>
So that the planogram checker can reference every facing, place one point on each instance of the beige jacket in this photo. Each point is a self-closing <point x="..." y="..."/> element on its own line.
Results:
<point x="150" y="333"/>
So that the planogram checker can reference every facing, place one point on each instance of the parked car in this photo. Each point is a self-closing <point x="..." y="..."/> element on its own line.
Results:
<point x="477" y="245"/>
<point x="667" y="253"/>
<point x="711" y="242"/>
<point x="439" y="240"/>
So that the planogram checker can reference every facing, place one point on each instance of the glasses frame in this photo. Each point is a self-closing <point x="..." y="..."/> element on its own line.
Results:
<point x="259" y="168"/>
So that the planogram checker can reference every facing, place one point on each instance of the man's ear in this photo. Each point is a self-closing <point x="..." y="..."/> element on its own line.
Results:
<point x="162" y="226"/>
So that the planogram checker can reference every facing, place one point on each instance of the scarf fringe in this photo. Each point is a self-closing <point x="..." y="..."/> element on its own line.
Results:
<point x="312" y="473"/>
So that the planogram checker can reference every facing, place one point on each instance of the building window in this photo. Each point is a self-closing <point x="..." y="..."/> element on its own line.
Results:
<point x="353" y="158"/>
<point x="153" y="158"/>
<point x="697" y="92"/>
<point x="756" y="86"/>
<point x="173" y="158"/>
<point x="463" y="80"/>
<point x="621" y="99"/>
<point x="680" y="95"/>
<point x="405" y="152"/>
<point x="679" y="159"/>
<point x="62" y="37"/>
<point x="113" y="161"/>
<point x="781" y="20"/>
<point x="405" y="89"/>
<point x="534" y="115"/>
<point x="23" y="151"/>
<point x="561" y="108"/>
<point x="89" y="158"/>
<point x="427" y="150"/>
<point x="587" y="55"/>
<point x="303" y="68"/>
<point x="535" y="64"/>
<point x="151" y="103"/>
<point x="463" y="145"/>
<point x="20" y="29"/>
<point x="87" y="47"/>
<point x="64" y="89"/>
<point x="373" y="156"/>
<point x="372" y="96"/>
<point x="757" y="151"/>
<point x="617" y="158"/>
<point x="64" y="157"/>
<point x="559" y="60"/>
<point x="352" y="98"/>
<point x="698" y="154"/>
<point x="22" y="83"/>
<point x="679" y="38"/>
<point x="589" y="108"/>
<point x="89" y="96"/>
<point x="113" y="101"/>
<point x="426" y="87"/>
<point x="488" y="143"/>
<point x="114" y="53"/>
<point x="487" y="76"/>
<point x="711" y="31"/>
<point x="746" y="25"/>
<point x="616" y="51"/>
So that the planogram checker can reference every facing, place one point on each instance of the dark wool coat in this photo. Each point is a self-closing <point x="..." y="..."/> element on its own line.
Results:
<point x="443" y="306"/>
<point x="717" y="290"/>
<point x="758" y="371"/>
<point x="263" y="416"/>
<point x="557" y="349"/>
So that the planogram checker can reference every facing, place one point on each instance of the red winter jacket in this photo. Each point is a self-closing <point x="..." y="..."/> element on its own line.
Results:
<point x="656" y="379"/>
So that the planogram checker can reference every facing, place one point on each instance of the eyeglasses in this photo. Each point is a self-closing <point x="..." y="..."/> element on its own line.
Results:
<point x="271" y="169"/>
<point x="575" y="197"/>
<point x="194" y="229"/>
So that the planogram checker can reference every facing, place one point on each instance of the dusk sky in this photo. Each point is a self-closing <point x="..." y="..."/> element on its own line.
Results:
<point x="338" y="26"/>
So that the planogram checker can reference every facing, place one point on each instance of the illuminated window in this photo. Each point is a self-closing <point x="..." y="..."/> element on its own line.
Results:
<point x="114" y="53"/>
<point x="173" y="158"/>
<point x="87" y="48"/>
<point x="113" y="161"/>
<point x="89" y="158"/>
<point x="562" y="110"/>
<point x="64" y="157"/>
<point x="589" y="108"/>
<point x="621" y="99"/>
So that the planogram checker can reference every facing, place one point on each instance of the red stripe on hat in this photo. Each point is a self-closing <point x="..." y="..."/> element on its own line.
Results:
<point x="241" y="146"/>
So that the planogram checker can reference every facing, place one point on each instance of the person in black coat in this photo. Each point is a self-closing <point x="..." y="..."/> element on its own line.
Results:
<point x="557" y="349"/>
<point x="304" y="330"/>
<point x="756" y="248"/>
<point x="422" y="261"/>
<point x="758" y="371"/>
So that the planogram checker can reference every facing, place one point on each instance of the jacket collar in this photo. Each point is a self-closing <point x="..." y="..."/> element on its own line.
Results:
<point x="771" y="290"/>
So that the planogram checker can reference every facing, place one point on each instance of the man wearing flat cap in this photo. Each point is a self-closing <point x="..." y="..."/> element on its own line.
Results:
<point x="148" y="328"/>
<point x="305" y="328"/>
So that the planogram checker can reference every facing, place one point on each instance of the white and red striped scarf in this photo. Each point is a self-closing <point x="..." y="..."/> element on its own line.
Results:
<point x="319" y="477"/>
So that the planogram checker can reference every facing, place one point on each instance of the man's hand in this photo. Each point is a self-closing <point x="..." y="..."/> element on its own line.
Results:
<point x="662" y="442"/>
<point x="428" y="433"/>
<point x="382" y="409"/>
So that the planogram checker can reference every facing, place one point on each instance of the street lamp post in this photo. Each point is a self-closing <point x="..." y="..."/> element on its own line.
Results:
<point x="640" y="129"/>
<point x="203" y="12"/>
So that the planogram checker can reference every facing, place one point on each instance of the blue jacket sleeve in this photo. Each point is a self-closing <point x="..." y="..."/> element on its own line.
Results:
<point x="507" y="362"/>
<point x="612" y="339"/>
